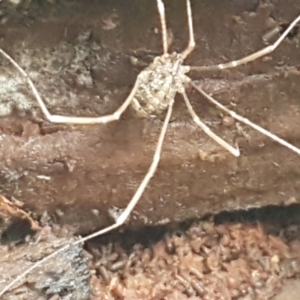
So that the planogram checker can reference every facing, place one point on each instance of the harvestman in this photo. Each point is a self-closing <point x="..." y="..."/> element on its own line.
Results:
<point x="153" y="93"/>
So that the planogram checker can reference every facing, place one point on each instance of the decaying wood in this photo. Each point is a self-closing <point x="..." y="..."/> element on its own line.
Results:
<point x="78" y="173"/>
<point x="66" y="276"/>
<point x="84" y="62"/>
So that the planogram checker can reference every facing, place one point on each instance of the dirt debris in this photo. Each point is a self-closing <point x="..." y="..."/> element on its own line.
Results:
<point x="236" y="256"/>
<point x="209" y="262"/>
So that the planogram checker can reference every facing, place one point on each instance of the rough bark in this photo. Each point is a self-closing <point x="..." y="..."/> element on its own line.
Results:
<point x="66" y="276"/>
<point x="84" y="60"/>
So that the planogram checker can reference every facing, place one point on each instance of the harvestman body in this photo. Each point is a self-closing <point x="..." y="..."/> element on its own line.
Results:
<point x="153" y="93"/>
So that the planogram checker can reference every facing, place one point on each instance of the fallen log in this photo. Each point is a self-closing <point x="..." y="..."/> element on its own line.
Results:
<point x="78" y="174"/>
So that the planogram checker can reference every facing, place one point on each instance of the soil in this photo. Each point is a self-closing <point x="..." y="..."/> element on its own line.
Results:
<point x="84" y="58"/>
<point x="250" y="255"/>
<point x="199" y="261"/>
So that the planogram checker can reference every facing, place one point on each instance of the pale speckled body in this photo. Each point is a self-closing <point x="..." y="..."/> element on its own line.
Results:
<point x="160" y="82"/>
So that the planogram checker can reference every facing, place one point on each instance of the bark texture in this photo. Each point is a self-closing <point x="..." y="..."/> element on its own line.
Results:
<point x="84" y="60"/>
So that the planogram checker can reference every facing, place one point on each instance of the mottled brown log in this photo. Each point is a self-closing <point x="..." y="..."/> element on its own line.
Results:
<point x="78" y="173"/>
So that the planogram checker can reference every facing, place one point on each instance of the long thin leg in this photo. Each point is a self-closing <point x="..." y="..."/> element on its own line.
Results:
<point x="247" y="122"/>
<point x="123" y="216"/>
<point x="191" y="45"/>
<point x="73" y="120"/>
<point x="251" y="57"/>
<point x="164" y="34"/>
<point x="232" y="150"/>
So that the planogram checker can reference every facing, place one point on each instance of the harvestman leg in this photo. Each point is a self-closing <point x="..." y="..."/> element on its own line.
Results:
<point x="73" y="120"/>
<point x="196" y="119"/>
<point x="190" y="47"/>
<point x="162" y="16"/>
<point x="246" y="121"/>
<point x="267" y="50"/>
<point x="235" y="63"/>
